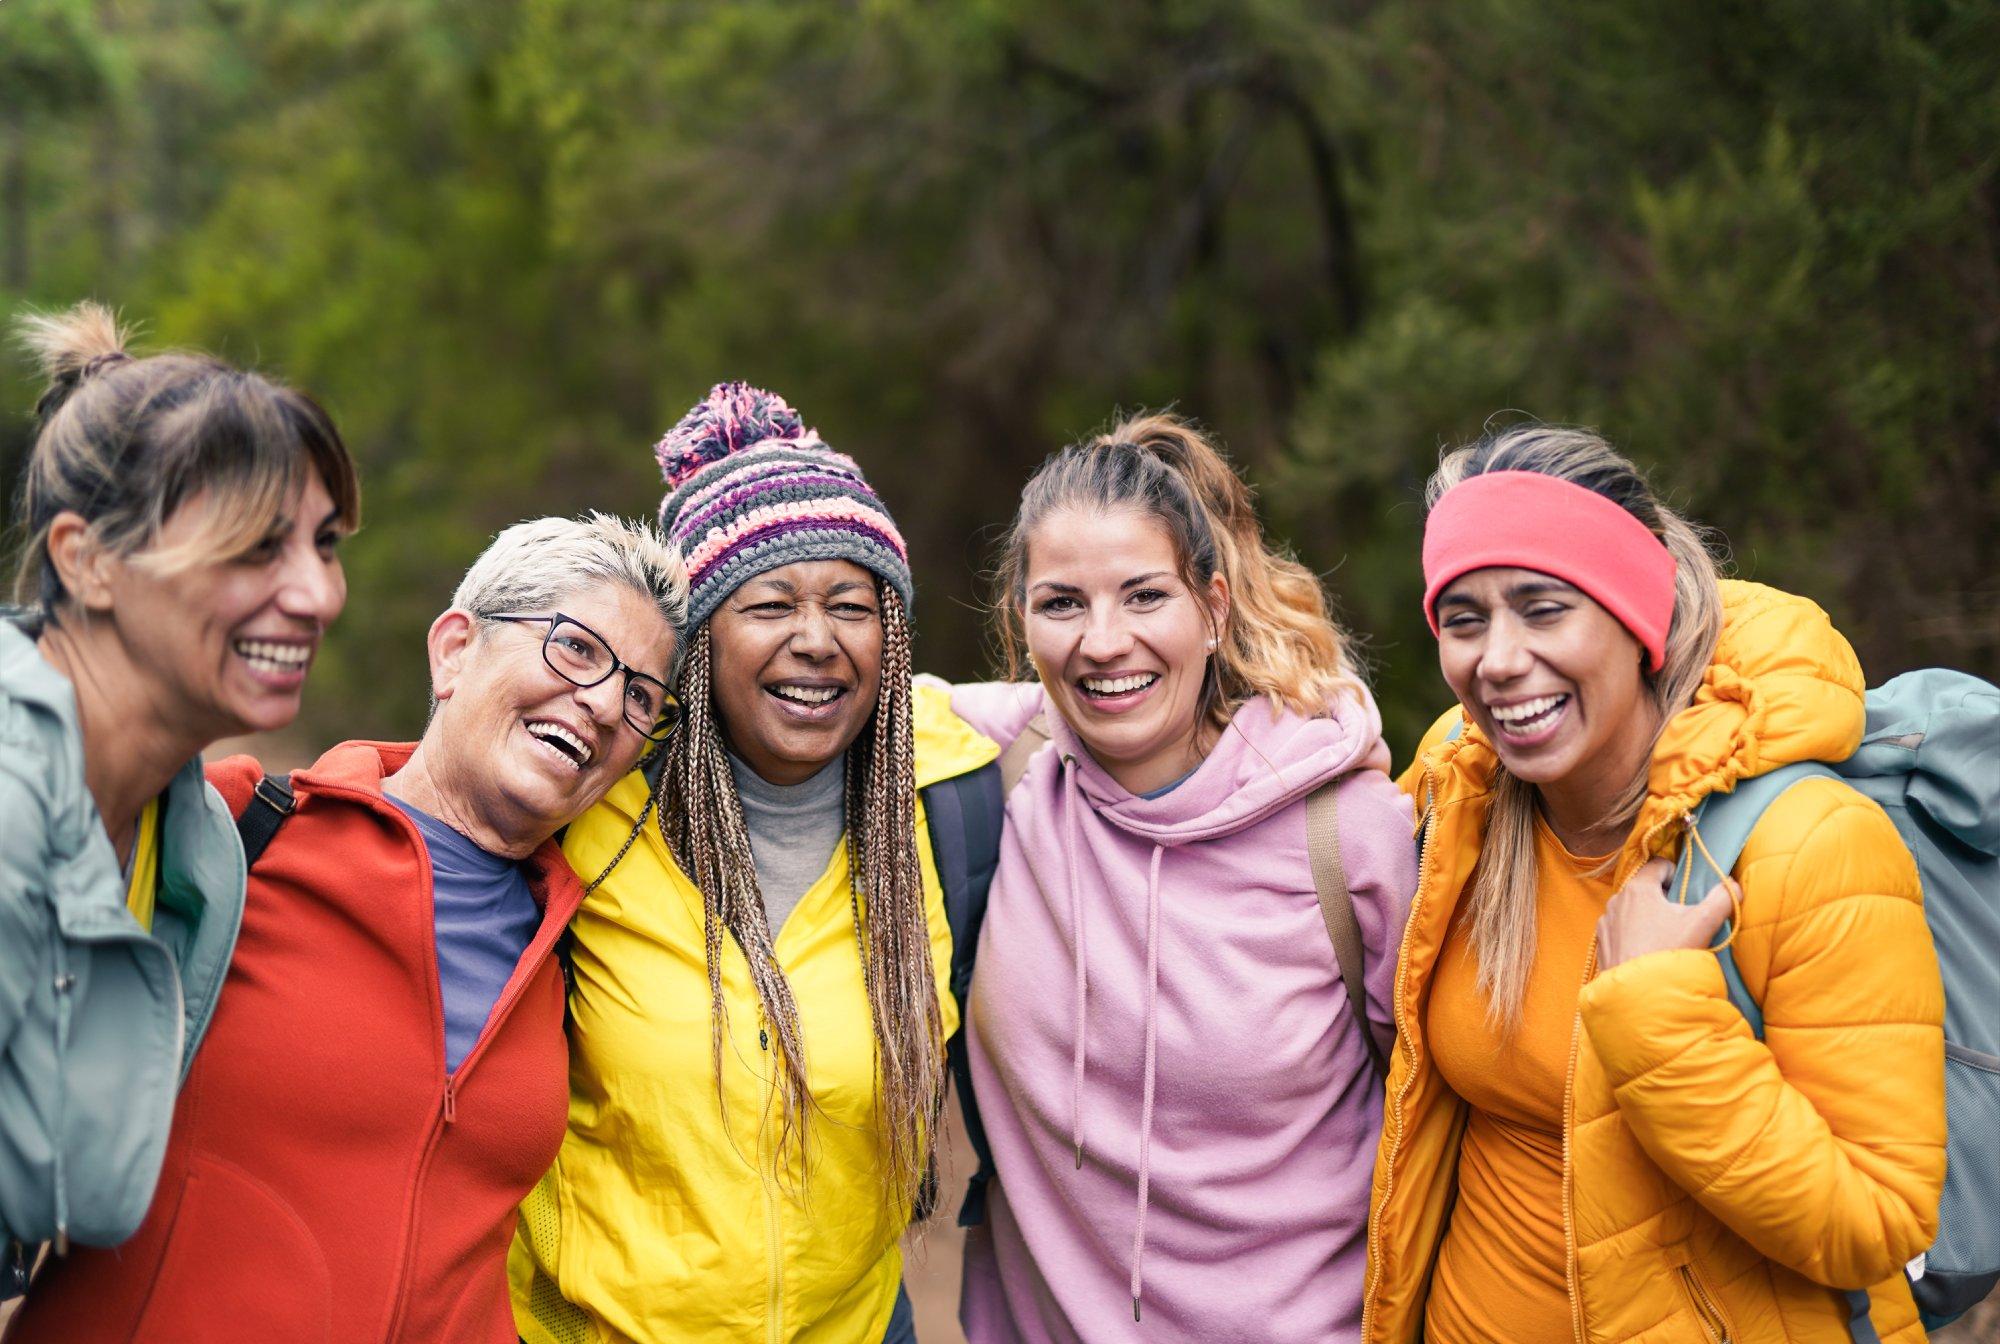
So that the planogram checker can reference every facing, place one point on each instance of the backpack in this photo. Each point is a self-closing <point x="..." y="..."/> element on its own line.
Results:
<point x="965" y="821"/>
<point x="1930" y="756"/>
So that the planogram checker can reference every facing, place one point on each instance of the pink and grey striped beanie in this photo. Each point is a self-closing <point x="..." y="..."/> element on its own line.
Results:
<point x="751" y="488"/>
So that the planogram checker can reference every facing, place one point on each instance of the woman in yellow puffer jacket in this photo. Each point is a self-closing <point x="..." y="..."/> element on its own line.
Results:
<point x="1583" y="1139"/>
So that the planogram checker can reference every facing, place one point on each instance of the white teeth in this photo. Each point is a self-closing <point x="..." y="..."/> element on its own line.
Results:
<point x="1513" y="716"/>
<point x="1118" y="685"/>
<point x="277" y="657"/>
<point x="807" y="695"/>
<point x="543" y="728"/>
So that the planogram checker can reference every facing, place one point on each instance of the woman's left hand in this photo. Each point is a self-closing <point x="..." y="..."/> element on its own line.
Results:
<point x="1641" y="919"/>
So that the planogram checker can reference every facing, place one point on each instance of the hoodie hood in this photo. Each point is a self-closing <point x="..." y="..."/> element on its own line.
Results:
<point x="1265" y="760"/>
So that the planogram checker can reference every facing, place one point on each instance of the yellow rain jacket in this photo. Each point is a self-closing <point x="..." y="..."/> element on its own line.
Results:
<point x="658" y="1224"/>
<point x="1715" y="1187"/>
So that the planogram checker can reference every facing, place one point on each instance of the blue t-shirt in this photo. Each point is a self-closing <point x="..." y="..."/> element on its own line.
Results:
<point x="486" y="917"/>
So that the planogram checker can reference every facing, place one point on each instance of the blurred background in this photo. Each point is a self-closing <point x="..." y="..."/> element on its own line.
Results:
<point x="508" y="242"/>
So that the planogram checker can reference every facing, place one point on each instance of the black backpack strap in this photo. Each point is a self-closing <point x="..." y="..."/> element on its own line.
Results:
<point x="965" y="815"/>
<point x="270" y="803"/>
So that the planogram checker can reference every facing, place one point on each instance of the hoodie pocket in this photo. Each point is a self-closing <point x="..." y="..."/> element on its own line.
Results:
<point x="239" y="1264"/>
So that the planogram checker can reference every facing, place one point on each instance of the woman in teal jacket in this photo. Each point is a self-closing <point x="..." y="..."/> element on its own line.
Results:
<point x="181" y="520"/>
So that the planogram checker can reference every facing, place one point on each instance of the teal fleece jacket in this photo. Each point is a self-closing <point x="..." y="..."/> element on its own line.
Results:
<point x="98" y="1019"/>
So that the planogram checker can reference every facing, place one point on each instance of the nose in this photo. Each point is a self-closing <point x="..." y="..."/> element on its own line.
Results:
<point x="1504" y="655"/>
<point x="312" y="588"/>
<point x="1105" y="636"/>
<point x="604" y="702"/>
<point x="812" y="633"/>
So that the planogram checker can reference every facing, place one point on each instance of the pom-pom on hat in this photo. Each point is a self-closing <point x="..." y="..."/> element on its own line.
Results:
<point x="751" y="488"/>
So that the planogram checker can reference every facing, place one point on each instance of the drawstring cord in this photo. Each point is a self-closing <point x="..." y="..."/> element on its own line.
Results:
<point x="1071" y="844"/>
<point x="1146" y="1094"/>
<point x="1729" y="883"/>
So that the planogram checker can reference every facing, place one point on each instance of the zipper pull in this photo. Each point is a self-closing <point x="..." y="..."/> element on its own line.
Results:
<point x="763" y="1039"/>
<point x="450" y="1100"/>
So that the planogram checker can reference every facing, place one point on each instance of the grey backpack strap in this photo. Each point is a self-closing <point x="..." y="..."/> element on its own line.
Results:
<point x="1336" y="907"/>
<point x="1014" y="760"/>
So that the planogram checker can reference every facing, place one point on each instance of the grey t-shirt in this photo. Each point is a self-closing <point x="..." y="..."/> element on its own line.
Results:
<point x="794" y="829"/>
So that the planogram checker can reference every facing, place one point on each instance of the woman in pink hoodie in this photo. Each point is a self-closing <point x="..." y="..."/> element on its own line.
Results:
<point x="1180" y="1104"/>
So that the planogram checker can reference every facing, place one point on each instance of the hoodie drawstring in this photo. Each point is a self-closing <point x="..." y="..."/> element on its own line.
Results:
<point x="1072" y="810"/>
<point x="1146" y="1095"/>
<point x="1073" y="803"/>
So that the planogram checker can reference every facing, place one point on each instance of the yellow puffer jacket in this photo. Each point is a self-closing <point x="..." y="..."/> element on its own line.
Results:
<point x="658" y="1224"/>
<point x="1714" y="1186"/>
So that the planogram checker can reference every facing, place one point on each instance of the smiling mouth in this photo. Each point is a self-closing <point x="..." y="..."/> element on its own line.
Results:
<point x="810" y="696"/>
<point x="270" y="656"/>
<point x="1529" y="716"/>
<point x="560" y="739"/>
<point x="1104" y="688"/>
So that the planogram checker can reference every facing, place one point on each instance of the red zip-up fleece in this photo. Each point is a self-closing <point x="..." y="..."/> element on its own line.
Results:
<point x="326" y="1179"/>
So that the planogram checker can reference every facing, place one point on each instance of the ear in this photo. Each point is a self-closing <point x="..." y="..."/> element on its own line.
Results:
<point x="449" y="643"/>
<point x="86" y="569"/>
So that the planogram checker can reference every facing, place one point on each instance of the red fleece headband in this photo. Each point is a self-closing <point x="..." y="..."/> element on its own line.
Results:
<point x="1525" y="520"/>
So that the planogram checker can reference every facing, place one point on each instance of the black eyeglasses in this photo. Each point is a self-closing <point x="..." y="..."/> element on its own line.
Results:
<point x="580" y="656"/>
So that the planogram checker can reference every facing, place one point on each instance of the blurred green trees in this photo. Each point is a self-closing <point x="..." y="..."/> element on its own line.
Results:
<point x="508" y="241"/>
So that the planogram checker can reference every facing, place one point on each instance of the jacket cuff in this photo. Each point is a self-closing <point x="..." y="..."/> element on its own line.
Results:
<point x="1641" y="1013"/>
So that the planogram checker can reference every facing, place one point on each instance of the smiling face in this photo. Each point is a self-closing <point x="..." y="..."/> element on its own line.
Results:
<point x="515" y="745"/>
<point x="1553" y="680"/>
<point x="798" y="666"/>
<point x="1120" y="641"/>
<point x="228" y="643"/>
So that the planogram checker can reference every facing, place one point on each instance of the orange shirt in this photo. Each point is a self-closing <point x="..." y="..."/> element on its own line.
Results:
<point x="1500" y="1272"/>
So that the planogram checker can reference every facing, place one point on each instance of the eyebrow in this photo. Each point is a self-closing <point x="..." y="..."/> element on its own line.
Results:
<point x="1132" y="582"/>
<point x="1514" y="593"/>
<point x="785" y="586"/>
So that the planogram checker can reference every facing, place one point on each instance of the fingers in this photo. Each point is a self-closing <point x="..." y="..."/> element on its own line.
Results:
<point x="1709" y="914"/>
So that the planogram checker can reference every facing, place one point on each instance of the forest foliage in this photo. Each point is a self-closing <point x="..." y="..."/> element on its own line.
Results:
<point x="508" y="241"/>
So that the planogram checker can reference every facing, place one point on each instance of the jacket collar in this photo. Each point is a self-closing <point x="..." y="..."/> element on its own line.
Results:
<point x="357" y="769"/>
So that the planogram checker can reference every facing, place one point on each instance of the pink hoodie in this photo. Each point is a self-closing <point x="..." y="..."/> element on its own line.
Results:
<point x="1181" y="1111"/>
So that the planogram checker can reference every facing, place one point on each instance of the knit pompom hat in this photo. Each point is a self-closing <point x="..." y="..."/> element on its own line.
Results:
<point x="751" y="488"/>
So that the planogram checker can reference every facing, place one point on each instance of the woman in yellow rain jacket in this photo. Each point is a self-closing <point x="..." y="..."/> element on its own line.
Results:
<point x="1583" y="1139"/>
<point x="761" y="995"/>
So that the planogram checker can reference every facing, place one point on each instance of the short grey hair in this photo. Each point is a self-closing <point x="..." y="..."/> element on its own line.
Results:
<point x="530" y="566"/>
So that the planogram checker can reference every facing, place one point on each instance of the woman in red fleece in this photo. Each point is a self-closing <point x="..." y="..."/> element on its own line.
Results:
<point x="386" y="1074"/>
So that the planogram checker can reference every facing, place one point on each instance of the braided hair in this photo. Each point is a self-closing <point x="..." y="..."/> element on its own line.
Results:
<point x="705" y="831"/>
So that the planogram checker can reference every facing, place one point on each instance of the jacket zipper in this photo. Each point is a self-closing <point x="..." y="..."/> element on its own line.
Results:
<point x="774" y="1296"/>
<point x="1394" y="1112"/>
<point x="1572" y="1274"/>
<point x="447" y="1112"/>
<point x="1705" y="1307"/>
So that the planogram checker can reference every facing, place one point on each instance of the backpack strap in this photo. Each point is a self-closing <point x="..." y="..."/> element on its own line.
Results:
<point x="1014" y="760"/>
<point x="1336" y="907"/>
<point x="1725" y="821"/>
<point x="270" y="803"/>
<point x="964" y="815"/>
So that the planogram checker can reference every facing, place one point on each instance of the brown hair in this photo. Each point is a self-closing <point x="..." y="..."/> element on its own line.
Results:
<point x="701" y="820"/>
<point x="1501" y="904"/>
<point x="125" y="442"/>
<point x="1278" y="637"/>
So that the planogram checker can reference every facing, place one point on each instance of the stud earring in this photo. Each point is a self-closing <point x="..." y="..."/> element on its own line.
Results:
<point x="1211" y="643"/>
